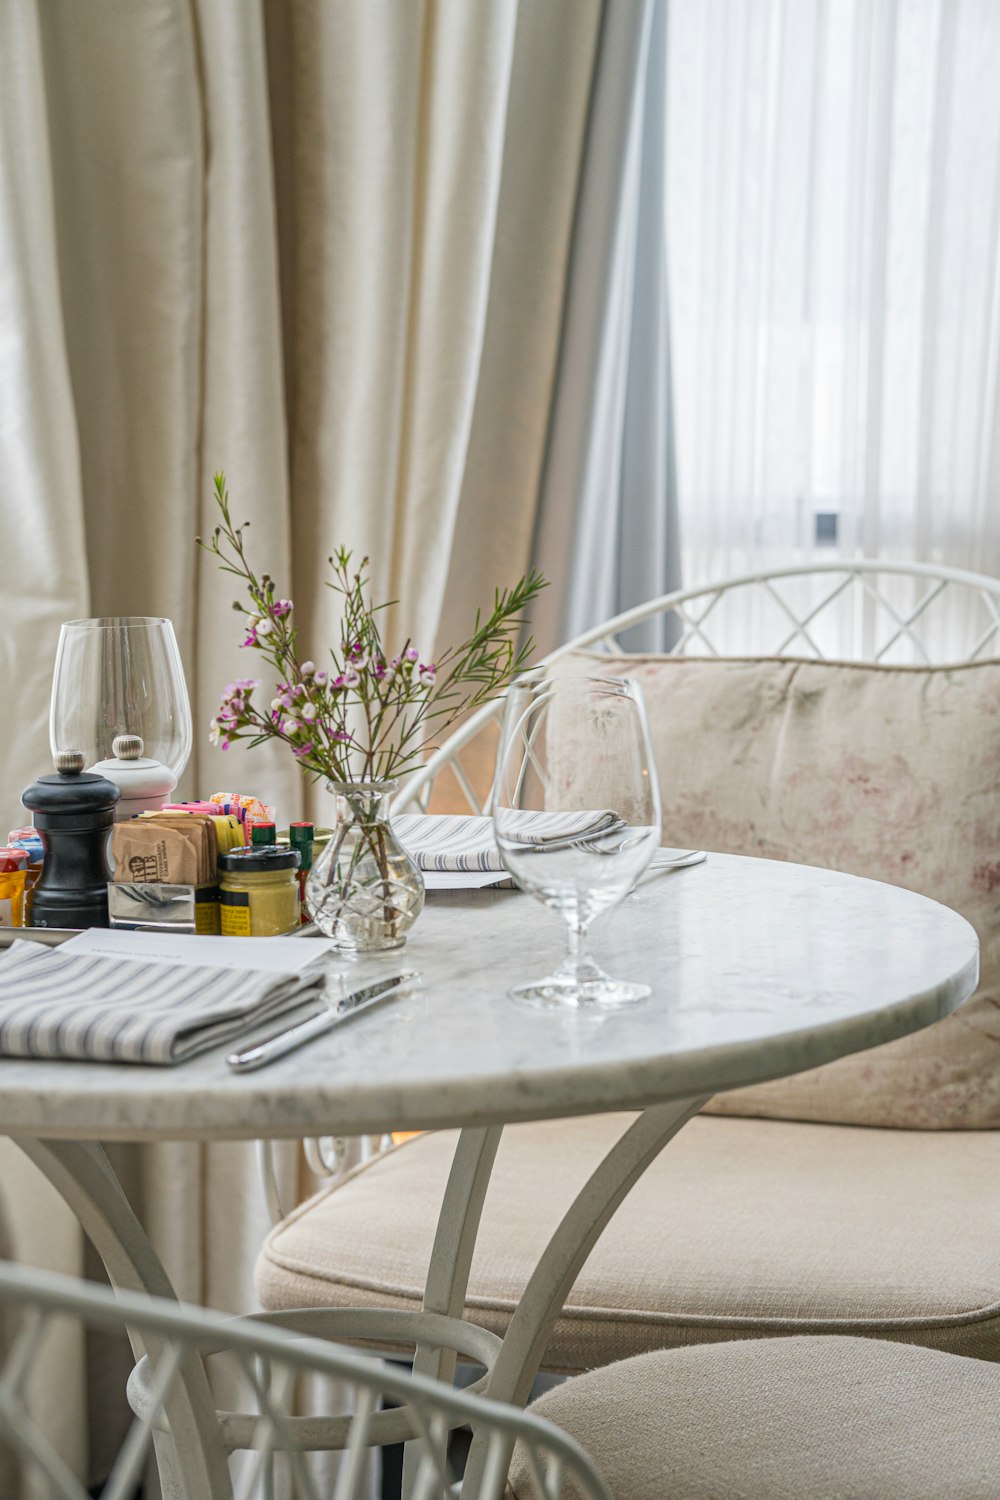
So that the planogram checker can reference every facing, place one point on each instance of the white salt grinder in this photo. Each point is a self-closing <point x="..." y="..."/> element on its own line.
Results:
<point x="144" y="784"/>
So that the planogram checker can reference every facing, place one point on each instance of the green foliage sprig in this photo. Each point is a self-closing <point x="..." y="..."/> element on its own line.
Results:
<point x="368" y="715"/>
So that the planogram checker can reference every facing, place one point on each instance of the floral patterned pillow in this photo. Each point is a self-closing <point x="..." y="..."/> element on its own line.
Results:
<point x="887" y="772"/>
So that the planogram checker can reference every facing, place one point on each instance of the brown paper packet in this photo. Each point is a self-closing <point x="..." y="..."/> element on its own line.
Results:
<point x="201" y="829"/>
<point x="145" y="852"/>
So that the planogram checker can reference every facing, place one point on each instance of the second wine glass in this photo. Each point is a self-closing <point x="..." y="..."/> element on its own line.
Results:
<point x="576" y="815"/>
<point x="120" y="675"/>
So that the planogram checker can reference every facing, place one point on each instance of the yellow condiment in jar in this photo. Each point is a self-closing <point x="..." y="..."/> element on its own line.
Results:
<point x="259" y="892"/>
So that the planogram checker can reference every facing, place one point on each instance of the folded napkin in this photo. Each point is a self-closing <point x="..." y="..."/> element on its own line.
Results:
<point x="59" y="1004"/>
<point x="452" y="841"/>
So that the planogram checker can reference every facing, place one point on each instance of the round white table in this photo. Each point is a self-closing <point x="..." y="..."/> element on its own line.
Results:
<point x="758" y="969"/>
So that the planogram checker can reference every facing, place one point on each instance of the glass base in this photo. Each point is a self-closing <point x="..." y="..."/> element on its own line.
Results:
<point x="568" y="992"/>
<point x="353" y="945"/>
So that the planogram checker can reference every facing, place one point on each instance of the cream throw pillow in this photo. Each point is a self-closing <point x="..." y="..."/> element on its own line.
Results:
<point x="888" y="772"/>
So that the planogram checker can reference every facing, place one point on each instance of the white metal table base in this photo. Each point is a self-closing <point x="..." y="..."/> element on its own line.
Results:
<point x="81" y="1174"/>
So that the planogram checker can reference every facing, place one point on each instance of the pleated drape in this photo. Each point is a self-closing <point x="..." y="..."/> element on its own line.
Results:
<point x="606" y="524"/>
<point x="322" y="245"/>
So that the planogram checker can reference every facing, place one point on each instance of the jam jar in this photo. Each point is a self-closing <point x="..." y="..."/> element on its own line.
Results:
<point x="259" y="891"/>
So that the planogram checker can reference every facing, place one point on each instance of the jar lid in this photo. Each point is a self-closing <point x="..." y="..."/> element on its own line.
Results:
<point x="260" y="858"/>
<point x="135" y="774"/>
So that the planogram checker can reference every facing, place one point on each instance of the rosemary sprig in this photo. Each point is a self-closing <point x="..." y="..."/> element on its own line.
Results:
<point x="368" y="715"/>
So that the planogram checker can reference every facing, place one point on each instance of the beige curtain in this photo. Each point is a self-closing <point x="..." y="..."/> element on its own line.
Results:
<point x="321" y="244"/>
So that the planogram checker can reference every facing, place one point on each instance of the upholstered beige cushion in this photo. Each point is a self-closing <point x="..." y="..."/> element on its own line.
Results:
<point x="789" y="1419"/>
<point x="888" y="772"/>
<point x="740" y="1227"/>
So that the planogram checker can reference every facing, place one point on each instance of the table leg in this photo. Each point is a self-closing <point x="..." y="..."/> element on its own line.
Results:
<point x="552" y="1280"/>
<point x="192" y="1464"/>
<point x="451" y="1257"/>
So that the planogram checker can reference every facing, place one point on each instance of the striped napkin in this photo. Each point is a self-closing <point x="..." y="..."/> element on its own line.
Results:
<point x="59" y="1004"/>
<point x="453" y="842"/>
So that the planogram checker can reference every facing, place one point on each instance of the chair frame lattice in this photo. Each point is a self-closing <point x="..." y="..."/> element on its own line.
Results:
<point x="693" y="608"/>
<point x="270" y="1357"/>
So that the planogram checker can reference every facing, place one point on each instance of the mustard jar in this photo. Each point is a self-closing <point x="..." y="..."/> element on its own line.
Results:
<point x="259" y="891"/>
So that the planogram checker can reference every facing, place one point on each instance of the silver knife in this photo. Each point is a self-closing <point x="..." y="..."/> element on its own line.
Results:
<point x="332" y="1014"/>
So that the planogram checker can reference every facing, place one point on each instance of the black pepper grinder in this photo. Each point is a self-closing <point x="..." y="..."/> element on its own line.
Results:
<point x="73" y="810"/>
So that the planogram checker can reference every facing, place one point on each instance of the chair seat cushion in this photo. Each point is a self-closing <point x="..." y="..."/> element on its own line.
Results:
<point x="740" y="1228"/>
<point x="888" y="772"/>
<point x="785" y="1419"/>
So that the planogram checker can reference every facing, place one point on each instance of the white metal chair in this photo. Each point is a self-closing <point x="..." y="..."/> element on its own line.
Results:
<point x="271" y="1359"/>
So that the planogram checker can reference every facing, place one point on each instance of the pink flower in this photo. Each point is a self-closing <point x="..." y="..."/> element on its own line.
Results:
<point x="413" y="654"/>
<point x="307" y="668"/>
<point x="351" y="678"/>
<point x="301" y="750"/>
<point x="281" y="608"/>
<point x="427" y="674"/>
<point x="251" y="639"/>
<point x="321" y="679"/>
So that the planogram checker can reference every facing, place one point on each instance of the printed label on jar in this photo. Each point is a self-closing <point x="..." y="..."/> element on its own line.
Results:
<point x="234" y="913"/>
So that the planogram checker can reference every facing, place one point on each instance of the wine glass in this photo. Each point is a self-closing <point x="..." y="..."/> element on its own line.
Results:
<point x="576" y="815"/>
<point x="120" y="675"/>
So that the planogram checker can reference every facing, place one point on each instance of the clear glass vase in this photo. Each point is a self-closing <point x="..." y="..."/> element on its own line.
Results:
<point x="364" y="891"/>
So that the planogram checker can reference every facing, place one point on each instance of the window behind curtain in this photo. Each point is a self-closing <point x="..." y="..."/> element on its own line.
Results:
<point x="833" y="222"/>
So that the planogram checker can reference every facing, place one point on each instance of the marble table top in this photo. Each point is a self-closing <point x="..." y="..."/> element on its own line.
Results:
<point x="758" y="969"/>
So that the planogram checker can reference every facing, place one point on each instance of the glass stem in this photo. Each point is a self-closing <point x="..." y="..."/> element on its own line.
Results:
<point x="576" y="943"/>
<point x="578" y="963"/>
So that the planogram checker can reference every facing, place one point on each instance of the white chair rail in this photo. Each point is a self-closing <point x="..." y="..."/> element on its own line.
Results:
<point x="271" y="1360"/>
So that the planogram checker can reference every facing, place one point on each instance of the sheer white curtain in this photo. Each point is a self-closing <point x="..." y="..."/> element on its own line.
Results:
<point x="833" y="207"/>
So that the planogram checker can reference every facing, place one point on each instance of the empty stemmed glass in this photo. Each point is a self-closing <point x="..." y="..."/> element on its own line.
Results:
<point x="576" y="815"/>
<point x="120" y="675"/>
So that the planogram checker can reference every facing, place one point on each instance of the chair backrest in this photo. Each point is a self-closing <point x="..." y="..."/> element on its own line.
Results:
<point x="270" y="1358"/>
<point x="866" y="611"/>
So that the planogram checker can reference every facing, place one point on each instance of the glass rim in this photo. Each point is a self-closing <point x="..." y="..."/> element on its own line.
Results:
<point x="119" y="622"/>
<point x="535" y="676"/>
